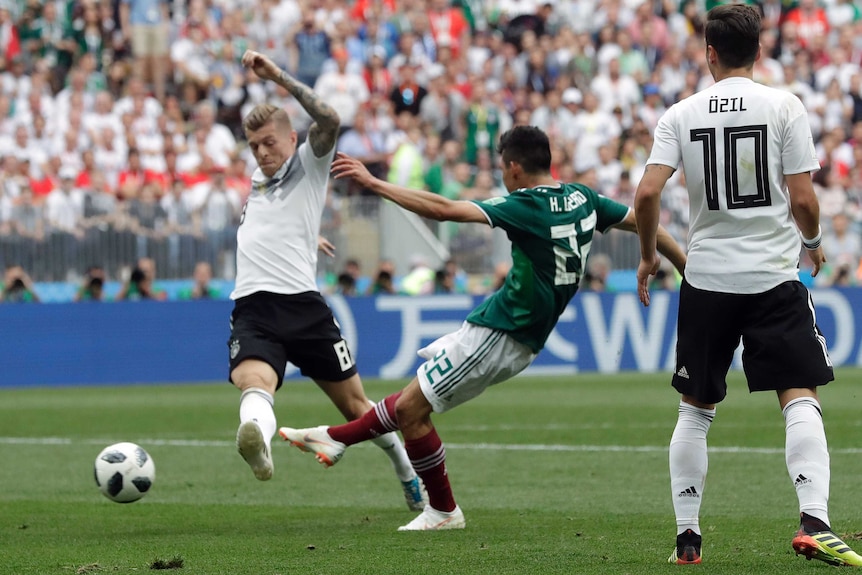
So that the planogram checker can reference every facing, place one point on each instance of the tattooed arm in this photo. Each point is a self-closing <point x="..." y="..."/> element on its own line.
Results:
<point x="323" y="133"/>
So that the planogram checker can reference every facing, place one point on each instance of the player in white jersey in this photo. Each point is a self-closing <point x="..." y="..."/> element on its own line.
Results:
<point x="279" y="315"/>
<point x="747" y="152"/>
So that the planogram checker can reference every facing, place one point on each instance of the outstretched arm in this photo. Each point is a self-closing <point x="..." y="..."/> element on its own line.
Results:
<point x="424" y="203"/>
<point x="323" y="133"/>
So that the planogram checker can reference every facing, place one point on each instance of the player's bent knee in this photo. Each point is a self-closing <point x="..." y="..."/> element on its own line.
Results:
<point x="254" y="373"/>
<point x="412" y="408"/>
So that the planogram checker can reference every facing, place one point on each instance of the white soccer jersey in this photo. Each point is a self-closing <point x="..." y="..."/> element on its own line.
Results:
<point x="742" y="237"/>
<point x="277" y="237"/>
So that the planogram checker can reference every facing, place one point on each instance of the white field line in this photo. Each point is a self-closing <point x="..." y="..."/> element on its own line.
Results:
<point x="47" y="441"/>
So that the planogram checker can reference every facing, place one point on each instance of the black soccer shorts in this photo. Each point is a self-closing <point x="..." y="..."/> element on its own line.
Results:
<point x="299" y="328"/>
<point x="782" y="345"/>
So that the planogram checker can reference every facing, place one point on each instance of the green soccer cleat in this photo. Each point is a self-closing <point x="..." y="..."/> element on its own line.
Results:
<point x="825" y="546"/>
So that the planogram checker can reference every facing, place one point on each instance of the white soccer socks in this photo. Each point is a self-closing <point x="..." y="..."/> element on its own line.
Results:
<point x="807" y="456"/>
<point x="688" y="464"/>
<point x="255" y="405"/>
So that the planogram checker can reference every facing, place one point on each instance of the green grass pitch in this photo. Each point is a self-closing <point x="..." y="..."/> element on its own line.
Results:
<point x="555" y="475"/>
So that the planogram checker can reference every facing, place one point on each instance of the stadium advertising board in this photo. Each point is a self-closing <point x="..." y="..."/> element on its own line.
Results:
<point x="162" y="342"/>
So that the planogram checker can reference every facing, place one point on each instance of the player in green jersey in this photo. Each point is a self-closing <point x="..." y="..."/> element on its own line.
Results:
<point x="551" y="226"/>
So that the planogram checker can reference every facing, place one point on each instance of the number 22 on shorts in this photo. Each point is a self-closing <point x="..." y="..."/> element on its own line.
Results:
<point x="439" y="364"/>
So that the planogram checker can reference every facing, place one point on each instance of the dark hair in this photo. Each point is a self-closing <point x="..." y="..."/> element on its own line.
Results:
<point x="733" y="30"/>
<point x="137" y="276"/>
<point x="527" y="146"/>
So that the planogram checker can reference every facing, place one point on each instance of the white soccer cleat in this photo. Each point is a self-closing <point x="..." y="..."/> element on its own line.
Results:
<point x="254" y="449"/>
<point x="433" y="520"/>
<point x="315" y="440"/>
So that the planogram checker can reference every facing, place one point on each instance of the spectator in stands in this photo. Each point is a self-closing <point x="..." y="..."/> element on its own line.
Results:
<point x="140" y="284"/>
<point x="202" y="287"/>
<point x="594" y="128"/>
<point x="17" y="286"/>
<point x="442" y="108"/>
<point x="343" y="88"/>
<point x="366" y="145"/>
<point x="407" y="167"/>
<point x="444" y="282"/>
<point x="110" y="154"/>
<point x="420" y="279"/>
<point x="843" y="250"/>
<point x="28" y="220"/>
<point x="598" y="270"/>
<point x="442" y="171"/>
<point x="408" y="93"/>
<point x="383" y="284"/>
<point x="64" y="212"/>
<point x="617" y="91"/>
<point x="553" y="117"/>
<point x="92" y="286"/>
<point x="483" y="122"/>
<point x="376" y="75"/>
<point x="132" y="179"/>
<point x="25" y="147"/>
<point x="449" y="28"/>
<point x="218" y="141"/>
<point x="310" y="48"/>
<point x="353" y="268"/>
<point x="608" y="171"/>
<point x="810" y="21"/>
<point x="10" y="39"/>
<point x="149" y="219"/>
<point x="182" y="227"/>
<point x="411" y="50"/>
<point x="145" y="25"/>
<point x="346" y="285"/>
<point x="219" y="209"/>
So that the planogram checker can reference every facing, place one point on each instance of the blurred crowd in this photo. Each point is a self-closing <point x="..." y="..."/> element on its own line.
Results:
<point x="120" y="120"/>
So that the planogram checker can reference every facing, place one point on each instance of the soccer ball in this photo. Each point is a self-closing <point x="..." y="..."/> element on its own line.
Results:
<point x="124" y="472"/>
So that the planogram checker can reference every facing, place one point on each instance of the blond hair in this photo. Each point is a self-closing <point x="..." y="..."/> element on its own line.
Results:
<point x="262" y="114"/>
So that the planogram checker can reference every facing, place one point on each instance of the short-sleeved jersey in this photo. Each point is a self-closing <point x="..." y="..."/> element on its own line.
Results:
<point x="277" y="236"/>
<point x="551" y="229"/>
<point x="736" y="141"/>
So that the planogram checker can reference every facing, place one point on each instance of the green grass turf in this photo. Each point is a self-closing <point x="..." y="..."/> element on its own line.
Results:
<point x="555" y="475"/>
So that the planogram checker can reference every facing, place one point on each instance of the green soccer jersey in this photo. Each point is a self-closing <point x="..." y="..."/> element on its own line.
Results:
<point x="551" y="229"/>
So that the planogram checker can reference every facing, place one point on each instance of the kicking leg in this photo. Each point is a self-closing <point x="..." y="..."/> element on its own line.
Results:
<point x="375" y="424"/>
<point x="257" y="381"/>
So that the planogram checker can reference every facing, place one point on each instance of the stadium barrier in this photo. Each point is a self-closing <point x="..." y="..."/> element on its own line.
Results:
<point x="176" y="341"/>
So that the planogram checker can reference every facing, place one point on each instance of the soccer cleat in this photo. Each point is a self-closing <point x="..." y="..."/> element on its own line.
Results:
<point x="432" y="520"/>
<point x="825" y="546"/>
<point x="315" y="440"/>
<point x="687" y="550"/>
<point x="414" y="494"/>
<point x="253" y="447"/>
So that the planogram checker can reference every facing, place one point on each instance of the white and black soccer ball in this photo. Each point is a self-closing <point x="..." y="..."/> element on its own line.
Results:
<point x="124" y="472"/>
